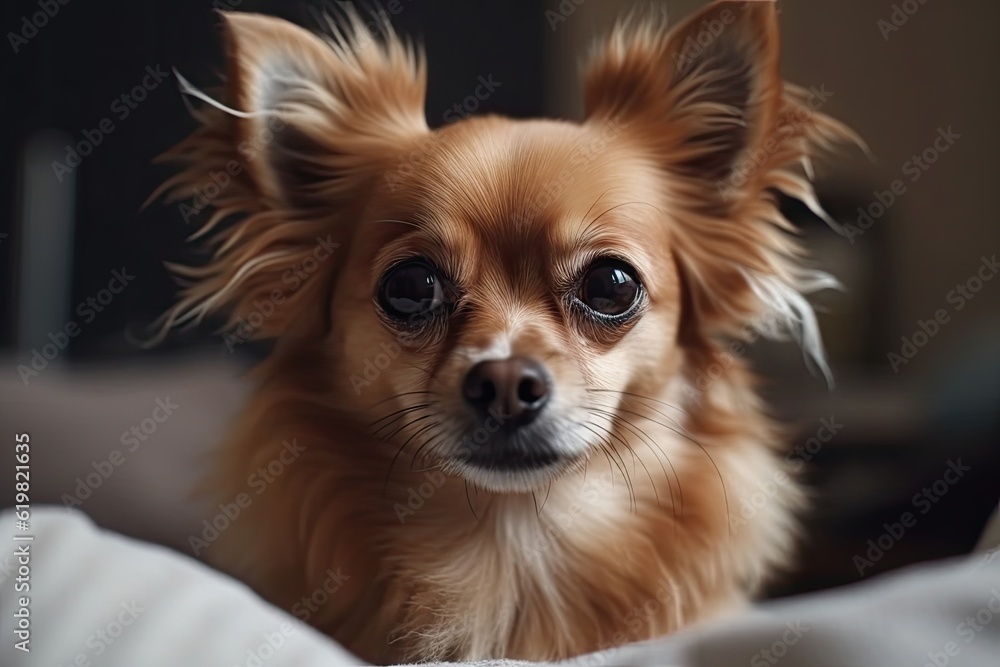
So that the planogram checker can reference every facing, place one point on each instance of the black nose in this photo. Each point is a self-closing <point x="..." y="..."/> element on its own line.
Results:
<point x="514" y="389"/>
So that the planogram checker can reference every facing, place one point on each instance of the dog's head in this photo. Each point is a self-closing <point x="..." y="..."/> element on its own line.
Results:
<point x="494" y="294"/>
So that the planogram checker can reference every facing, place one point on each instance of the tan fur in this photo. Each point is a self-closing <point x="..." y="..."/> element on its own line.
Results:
<point x="642" y="535"/>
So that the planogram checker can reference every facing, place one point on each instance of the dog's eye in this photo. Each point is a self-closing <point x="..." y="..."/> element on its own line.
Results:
<point x="610" y="287"/>
<point x="410" y="289"/>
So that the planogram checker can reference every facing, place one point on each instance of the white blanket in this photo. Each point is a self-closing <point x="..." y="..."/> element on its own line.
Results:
<point x="97" y="598"/>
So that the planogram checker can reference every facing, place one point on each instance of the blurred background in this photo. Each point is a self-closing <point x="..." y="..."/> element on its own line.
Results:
<point x="89" y="99"/>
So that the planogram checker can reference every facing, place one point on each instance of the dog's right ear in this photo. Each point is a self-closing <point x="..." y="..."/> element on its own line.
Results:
<point x="319" y="114"/>
<point x="304" y="131"/>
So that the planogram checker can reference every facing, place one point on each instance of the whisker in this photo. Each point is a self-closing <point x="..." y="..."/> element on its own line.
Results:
<point x="647" y="398"/>
<point x="392" y="463"/>
<point x="548" y="490"/>
<point x="391" y="220"/>
<point x="398" y="414"/>
<point x="718" y="472"/>
<point x="418" y="432"/>
<point x="642" y="434"/>
<point x="415" y="367"/>
<point x="587" y="426"/>
<point x="468" y="499"/>
<point x="596" y="202"/>
<point x="617" y="206"/>
<point x="604" y="441"/>
<point x="430" y="438"/>
<point x="628" y="478"/>
<point x="394" y="397"/>
<point x="631" y="491"/>
<point x="670" y="486"/>
<point x="407" y="425"/>
<point x="436" y="466"/>
<point x="666" y="476"/>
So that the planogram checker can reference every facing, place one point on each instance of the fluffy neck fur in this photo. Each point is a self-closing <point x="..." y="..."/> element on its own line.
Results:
<point x="439" y="571"/>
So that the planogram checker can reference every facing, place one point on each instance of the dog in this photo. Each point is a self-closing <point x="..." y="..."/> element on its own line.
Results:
<point x="492" y="424"/>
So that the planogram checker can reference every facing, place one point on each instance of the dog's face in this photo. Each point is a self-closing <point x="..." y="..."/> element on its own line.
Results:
<point x="504" y="291"/>
<point x="522" y="277"/>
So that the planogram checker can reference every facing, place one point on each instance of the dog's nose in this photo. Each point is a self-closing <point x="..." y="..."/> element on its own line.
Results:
<point x="516" y="388"/>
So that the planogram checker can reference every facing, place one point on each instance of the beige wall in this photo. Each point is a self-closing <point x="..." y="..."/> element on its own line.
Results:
<point x="940" y="69"/>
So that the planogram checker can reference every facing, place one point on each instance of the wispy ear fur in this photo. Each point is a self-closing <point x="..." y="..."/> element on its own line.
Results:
<point x="306" y="126"/>
<point x="707" y="100"/>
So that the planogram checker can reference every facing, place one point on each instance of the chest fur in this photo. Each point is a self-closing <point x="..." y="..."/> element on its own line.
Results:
<point x="580" y="572"/>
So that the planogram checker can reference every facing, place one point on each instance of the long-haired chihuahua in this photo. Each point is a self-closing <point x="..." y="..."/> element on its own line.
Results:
<point x="490" y="425"/>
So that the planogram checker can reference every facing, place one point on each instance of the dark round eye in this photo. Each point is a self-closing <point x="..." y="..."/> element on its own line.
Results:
<point x="610" y="288"/>
<point x="410" y="289"/>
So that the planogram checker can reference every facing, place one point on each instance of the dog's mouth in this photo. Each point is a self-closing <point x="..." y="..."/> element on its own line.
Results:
<point x="512" y="461"/>
<point x="510" y="475"/>
<point x="507" y="465"/>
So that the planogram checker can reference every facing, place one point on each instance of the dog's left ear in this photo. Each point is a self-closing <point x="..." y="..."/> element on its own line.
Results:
<point x="705" y="94"/>
<point x="707" y="103"/>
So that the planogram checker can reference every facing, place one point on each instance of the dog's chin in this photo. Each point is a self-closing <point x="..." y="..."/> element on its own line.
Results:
<point x="511" y="475"/>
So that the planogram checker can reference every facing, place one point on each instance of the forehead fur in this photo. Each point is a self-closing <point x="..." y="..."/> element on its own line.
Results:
<point x="520" y="188"/>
